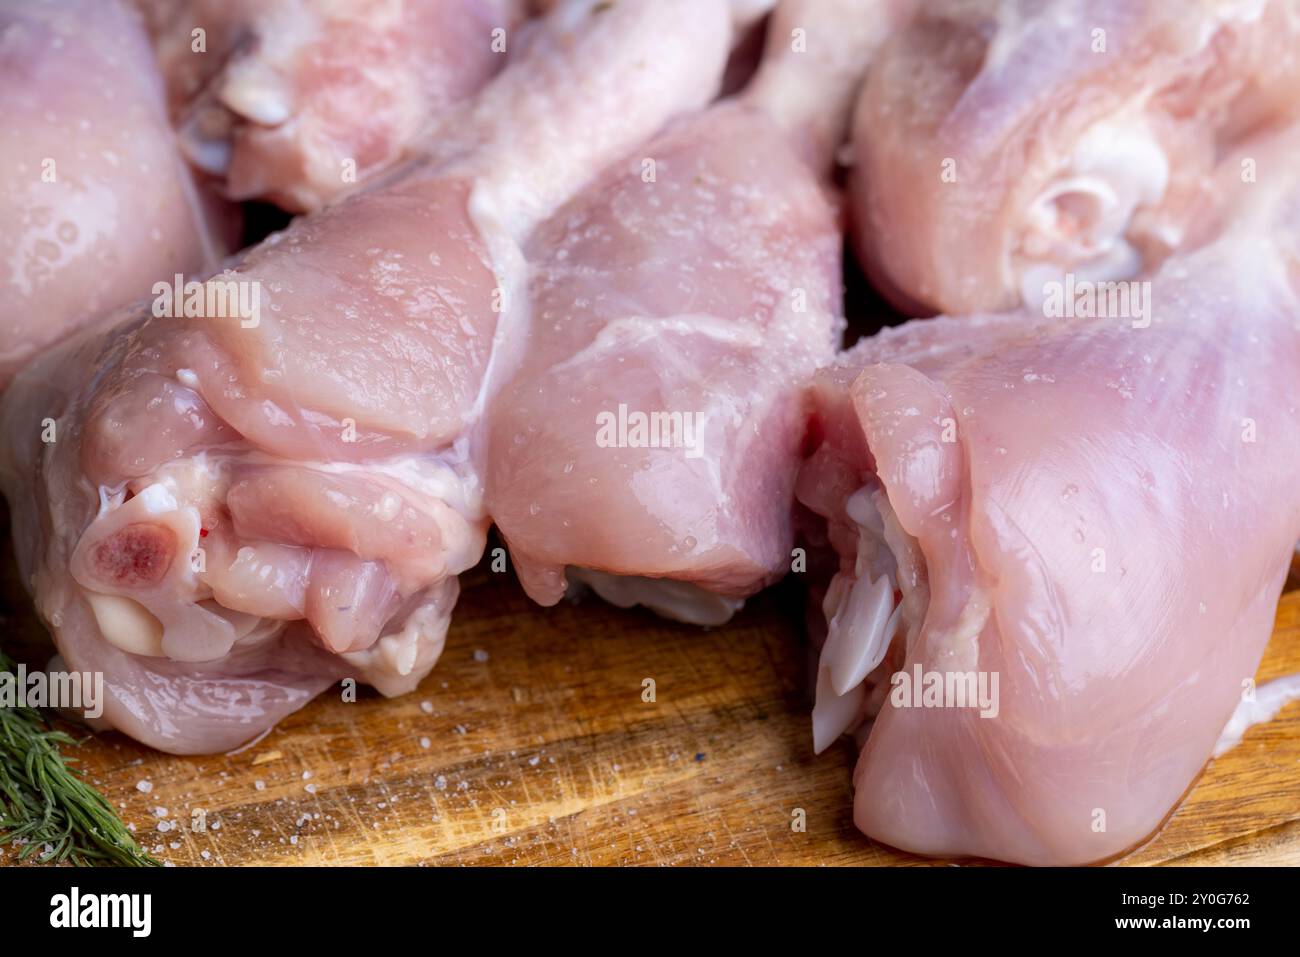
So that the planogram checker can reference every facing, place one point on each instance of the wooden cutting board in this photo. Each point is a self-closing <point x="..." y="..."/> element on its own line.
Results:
<point x="531" y="743"/>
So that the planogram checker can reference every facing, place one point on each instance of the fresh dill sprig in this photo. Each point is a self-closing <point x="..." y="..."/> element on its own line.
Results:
<point x="46" y="809"/>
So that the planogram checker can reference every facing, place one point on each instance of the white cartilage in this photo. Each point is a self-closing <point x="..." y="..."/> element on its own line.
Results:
<point x="127" y="624"/>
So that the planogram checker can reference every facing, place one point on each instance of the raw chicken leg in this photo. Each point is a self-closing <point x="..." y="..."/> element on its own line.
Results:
<point x="96" y="203"/>
<point x="1089" y="521"/>
<point x="227" y="512"/>
<point x="693" y="289"/>
<point x="1002" y="143"/>
<point x="301" y="101"/>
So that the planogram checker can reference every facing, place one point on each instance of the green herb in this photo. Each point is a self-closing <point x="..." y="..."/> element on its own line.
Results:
<point x="46" y="807"/>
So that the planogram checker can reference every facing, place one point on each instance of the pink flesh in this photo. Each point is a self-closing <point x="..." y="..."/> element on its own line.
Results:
<point x="710" y="291"/>
<point x="974" y="110"/>
<point x="349" y="600"/>
<point x="378" y="310"/>
<point x="365" y="516"/>
<point x="319" y="467"/>
<point x="739" y="222"/>
<point x="301" y="101"/>
<point x="78" y="89"/>
<point x="265" y="579"/>
<point x="1074" y="436"/>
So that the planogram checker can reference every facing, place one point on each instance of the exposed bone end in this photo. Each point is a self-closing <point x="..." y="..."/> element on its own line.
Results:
<point x="135" y="556"/>
<point x="1085" y="218"/>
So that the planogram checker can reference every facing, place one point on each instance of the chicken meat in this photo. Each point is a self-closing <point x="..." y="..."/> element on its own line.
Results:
<point x="648" y="442"/>
<point x="269" y="481"/>
<point x="1034" y="610"/>
<point x="300" y="102"/>
<point x="96" y="200"/>
<point x="999" y="144"/>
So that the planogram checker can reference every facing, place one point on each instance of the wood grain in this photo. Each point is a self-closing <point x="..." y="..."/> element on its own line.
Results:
<point x="530" y="744"/>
